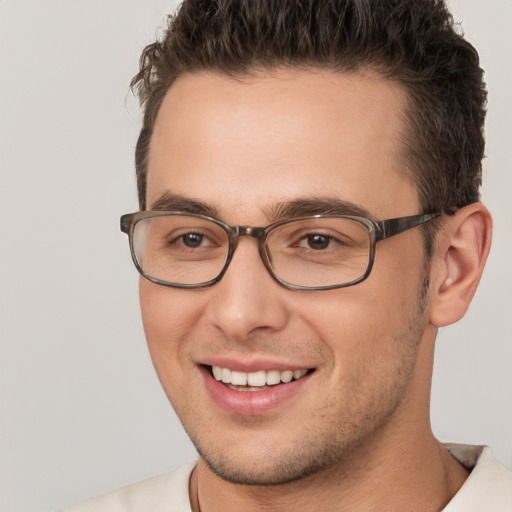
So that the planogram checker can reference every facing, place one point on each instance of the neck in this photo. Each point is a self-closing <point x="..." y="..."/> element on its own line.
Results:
<point x="420" y="475"/>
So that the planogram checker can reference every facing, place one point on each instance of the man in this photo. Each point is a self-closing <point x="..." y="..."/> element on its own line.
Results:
<point x="308" y="178"/>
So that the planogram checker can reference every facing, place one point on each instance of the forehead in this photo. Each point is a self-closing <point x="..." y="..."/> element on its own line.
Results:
<point x="272" y="137"/>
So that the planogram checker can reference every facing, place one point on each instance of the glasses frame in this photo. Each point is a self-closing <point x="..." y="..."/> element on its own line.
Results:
<point x="377" y="230"/>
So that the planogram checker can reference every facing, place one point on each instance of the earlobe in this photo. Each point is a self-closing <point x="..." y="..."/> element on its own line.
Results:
<point x="463" y="244"/>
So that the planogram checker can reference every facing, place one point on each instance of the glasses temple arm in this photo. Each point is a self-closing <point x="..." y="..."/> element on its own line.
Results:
<point x="125" y="222"/>
<point x="391" y="227"/>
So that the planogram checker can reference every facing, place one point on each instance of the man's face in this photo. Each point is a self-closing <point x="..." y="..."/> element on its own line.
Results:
<point x="245" y="148"/>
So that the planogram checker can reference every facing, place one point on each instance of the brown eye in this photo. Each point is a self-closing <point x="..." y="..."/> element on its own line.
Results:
<point x="318" y="242"/>
<point x="192" y="240"/>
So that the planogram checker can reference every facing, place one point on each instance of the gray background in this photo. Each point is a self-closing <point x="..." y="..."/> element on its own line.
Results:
<point x="81" y="411"/>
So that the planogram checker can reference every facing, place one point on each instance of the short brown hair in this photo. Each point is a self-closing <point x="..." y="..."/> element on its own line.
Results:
<point x="413" y="42"/>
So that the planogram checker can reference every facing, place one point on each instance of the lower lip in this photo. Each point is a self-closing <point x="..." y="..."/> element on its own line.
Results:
<point x="251" y="403"/>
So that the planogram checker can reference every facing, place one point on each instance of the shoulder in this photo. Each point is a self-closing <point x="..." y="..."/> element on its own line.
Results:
<point x="167" y="492"/>
<point x="488" y="487"/>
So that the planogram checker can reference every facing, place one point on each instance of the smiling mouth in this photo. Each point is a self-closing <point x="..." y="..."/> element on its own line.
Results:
<point x="255" y="381"/>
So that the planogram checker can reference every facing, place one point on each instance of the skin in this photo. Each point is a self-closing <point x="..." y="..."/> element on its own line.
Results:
<point x="356" y="436"/>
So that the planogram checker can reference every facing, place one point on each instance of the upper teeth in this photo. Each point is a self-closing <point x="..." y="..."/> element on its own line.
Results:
<point x="256" y="379"/>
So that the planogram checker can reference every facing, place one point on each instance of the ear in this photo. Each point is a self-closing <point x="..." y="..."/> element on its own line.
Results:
<point x="463" y="243"/>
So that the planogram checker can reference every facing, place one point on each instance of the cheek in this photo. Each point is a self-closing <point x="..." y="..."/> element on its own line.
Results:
<point x="354" y="315"/>
<point x="166" y="312"/>
<point x="168" y="316"/>
<point x="364" y="322"/>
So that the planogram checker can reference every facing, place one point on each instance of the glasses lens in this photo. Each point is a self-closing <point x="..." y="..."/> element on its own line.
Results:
<point x="319" y="252"/>
<point x="180" y="249"/>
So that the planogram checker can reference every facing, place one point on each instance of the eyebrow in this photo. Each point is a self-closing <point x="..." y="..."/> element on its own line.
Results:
<point x="178" y="203"/>
<point x="303" y="207"/>
<point x="300" y="207"/>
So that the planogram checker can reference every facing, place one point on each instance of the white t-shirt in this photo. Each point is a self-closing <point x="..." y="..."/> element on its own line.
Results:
<point x="488" y="488"/>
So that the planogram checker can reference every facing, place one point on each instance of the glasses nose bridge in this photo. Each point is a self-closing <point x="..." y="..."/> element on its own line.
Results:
<point x="254" y="232"/>
<point x="250" y="231"/>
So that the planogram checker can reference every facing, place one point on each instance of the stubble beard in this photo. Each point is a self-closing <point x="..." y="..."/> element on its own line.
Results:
<point x="321" y="450"/>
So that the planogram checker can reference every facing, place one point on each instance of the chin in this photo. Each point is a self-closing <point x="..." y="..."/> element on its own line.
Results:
<point x="270" y="466"/>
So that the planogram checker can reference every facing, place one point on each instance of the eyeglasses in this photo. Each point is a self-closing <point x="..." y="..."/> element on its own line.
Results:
<point x="318" y="252"/>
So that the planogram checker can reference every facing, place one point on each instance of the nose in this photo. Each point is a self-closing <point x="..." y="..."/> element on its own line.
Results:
<point x="247" y="299"/>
